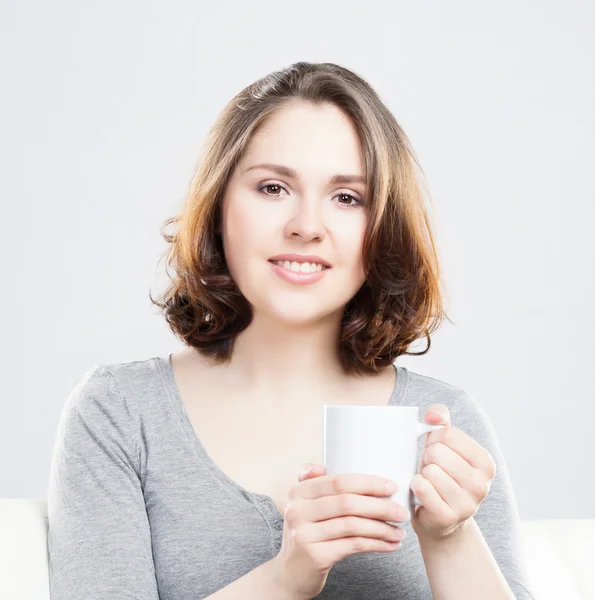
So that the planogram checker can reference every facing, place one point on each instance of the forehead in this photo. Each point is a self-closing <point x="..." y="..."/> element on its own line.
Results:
<point x="311" y="139"/>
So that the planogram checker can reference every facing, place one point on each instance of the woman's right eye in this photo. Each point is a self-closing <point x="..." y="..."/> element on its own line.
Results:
<point x="271" y="185"/>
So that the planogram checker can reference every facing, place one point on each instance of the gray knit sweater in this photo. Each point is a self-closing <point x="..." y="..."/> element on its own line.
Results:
<point x="139" y="511"/>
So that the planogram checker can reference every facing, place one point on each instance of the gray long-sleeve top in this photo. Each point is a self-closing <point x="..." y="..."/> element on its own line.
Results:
<point x="138" y="510"/>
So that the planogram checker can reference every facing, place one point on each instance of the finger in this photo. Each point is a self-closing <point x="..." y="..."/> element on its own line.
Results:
<point x="446" y="487"/>
<point x="464" y="445"/>
<point x="333" y="529"/>
<point x="437" y="414"/>
<point x="355" y="483"/>
<point x="421" y="458"/>
<point x="309" y="471"/>
<point x="457" y="468"/>
<point x="364" y="505"/>
<point x="428" y="496"/>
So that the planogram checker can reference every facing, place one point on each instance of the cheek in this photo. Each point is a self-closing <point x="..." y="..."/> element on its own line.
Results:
<point x="250" y="236"/>
<point x="244" y="230"/>
<point x="350" y="241"/>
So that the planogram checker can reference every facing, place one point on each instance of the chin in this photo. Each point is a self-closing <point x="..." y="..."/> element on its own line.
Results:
<point x="299" y="314"/>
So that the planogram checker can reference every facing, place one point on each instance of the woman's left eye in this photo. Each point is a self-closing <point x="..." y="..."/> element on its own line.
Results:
<point x="356" y="201"/>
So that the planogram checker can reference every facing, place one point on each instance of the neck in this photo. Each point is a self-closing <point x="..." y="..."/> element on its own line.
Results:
<point x="289" y="361"/>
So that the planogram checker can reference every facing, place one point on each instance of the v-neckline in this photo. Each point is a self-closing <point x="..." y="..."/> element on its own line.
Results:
<point x="165" y="368"/>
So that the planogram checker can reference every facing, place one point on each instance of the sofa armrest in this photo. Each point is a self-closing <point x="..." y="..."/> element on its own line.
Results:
<point x="24" y="571"/>
<point x="559" y="557"/>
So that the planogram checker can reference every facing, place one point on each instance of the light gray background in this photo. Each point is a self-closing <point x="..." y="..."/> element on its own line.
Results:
<point x="102" y="112"/>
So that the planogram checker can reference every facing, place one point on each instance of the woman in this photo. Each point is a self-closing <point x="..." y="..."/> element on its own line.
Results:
<point x="304" y="266"/>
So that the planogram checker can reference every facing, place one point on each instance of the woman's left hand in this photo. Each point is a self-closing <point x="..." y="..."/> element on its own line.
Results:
<point x="455" y="477"/>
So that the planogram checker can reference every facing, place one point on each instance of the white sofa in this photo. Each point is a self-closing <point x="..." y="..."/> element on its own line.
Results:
<point x="560" y="554"/>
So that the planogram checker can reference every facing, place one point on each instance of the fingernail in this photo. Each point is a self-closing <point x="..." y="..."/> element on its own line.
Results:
<point x="403" y="514"/>
<point x="390" y="487"/>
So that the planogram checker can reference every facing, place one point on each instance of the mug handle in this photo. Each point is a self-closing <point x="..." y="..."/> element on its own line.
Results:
<point x="421" y="429"/>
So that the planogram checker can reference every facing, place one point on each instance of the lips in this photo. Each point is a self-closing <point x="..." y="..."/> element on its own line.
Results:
<point x="298" y="277"/>
<point x="301" y="258"/>
<point x="296" y="267"/>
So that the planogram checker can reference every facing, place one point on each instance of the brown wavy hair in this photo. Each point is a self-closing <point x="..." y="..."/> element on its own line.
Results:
<point x="399" y="302"/>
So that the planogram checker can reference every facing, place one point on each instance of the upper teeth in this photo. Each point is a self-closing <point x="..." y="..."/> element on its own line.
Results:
<point x="304" y="267"/>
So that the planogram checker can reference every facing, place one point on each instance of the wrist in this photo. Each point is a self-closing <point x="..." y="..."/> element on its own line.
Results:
<point x="279" y="582"/>
<point x="447" y="536"/>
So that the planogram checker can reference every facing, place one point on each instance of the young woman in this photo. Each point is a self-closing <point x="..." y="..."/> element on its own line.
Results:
<point x="304" y="266"/>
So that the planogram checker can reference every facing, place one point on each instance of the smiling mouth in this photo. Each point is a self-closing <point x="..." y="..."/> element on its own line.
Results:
<point x="299" y="267"/>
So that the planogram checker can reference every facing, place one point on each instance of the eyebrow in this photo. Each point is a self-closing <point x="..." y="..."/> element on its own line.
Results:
<point x="293" y="174"/>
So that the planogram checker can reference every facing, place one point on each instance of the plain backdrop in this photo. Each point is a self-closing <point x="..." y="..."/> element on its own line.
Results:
<point x="104" y="106"/>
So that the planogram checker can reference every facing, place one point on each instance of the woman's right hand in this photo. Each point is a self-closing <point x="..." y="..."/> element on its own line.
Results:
<point x="328" y="518"/>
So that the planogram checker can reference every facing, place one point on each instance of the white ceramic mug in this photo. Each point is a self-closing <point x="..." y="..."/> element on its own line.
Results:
<point x="375" y="440"/>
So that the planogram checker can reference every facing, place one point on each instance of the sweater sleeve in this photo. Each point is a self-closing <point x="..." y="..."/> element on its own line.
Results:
<point x="497" y="516"/>
<point x="99" y="539"/>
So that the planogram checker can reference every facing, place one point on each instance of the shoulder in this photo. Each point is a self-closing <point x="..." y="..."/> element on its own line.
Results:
<point x="465" y="411"/>
<point x="429" y="390"/>
<point x="109" y="392"/>
<point x="135" y="377"/>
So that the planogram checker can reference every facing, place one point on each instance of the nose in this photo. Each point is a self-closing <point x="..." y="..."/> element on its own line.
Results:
<point x="306" y="222"/>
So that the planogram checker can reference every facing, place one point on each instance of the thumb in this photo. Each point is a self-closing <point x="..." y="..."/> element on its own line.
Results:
<point x="310" y="470"/>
